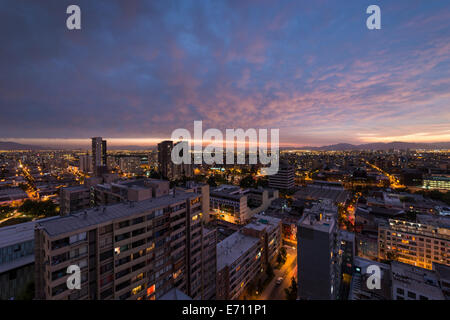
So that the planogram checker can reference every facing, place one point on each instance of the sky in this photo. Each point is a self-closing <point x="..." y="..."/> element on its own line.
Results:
<point x="137" y="70"/>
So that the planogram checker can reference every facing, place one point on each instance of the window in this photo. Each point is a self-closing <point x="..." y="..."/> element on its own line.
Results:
<point x="77" y="237"/>
<point x="106" y="255"/>
<point x="150" y="290"/>
<point x="400" y="291"/>
<point x="122" y="236"/>
<point x="136" y="290"/>
<point x="106" y="229"/>
<point x="138" y="220"/>
<point x="106" y="293"/>
<point x="411" y="295"/>
<point x="82" y="264"/>
<point x="123" y="224"/>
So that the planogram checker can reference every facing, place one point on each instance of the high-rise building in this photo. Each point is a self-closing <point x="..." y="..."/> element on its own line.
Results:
<point x="169" y="170"/>
<point x="164" y="159"/>
<point x="86" y="163"/>
<point x="99" y="155"/>
<point x="137" y="250"/>
<point x="284" y="179"/>
<point x="318" y="256"/>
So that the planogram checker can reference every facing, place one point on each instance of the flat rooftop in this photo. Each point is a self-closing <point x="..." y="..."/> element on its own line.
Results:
<point x="76" y="188"/>
<point x="96" y="215"/>
<point x="19" y="233"/>
<point x="313" y="221"/>
<point x="260" y="222"/>
<point x="416" y="279"/>
<point x="231" y="248"/>
<point x="317" y="192"/>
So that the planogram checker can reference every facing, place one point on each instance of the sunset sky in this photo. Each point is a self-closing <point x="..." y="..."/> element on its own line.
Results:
<point x="140" y="69"/>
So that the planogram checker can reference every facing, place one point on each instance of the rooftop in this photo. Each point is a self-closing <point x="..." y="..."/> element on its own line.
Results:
<point x="175" y="294"/>
<point x="260" y="222"/>
<point x="19" y="233"/>
<point x="415" y="279"/>
<point x="96" y="216"/>
<point x="318" y="192"/>
<point x="231" y="248"/>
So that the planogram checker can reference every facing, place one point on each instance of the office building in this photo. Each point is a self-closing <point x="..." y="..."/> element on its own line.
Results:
<point x="236" y="205"/>
<point x="284" y="179"/>
<point x="416" y="243"/>
<point x="437" y="183"/>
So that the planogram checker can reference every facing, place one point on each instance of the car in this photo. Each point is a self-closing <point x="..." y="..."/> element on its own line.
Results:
<point x="279" y="280"/>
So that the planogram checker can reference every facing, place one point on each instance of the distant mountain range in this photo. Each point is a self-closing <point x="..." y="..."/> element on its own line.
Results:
<point x="6" y="145"/>
<point x="378" y="146"/>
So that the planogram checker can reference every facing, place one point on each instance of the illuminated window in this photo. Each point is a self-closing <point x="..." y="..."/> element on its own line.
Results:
<point x="150" y="290"/>
<point x="136" y="290"/>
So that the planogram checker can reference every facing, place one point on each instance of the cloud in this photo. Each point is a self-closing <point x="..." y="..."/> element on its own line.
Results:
<point x="142" y="69"/>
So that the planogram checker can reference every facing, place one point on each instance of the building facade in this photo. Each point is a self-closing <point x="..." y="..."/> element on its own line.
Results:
<point x="418" y="244"/>
<point x="318" y="255"/>
<point x="138" y="250"/>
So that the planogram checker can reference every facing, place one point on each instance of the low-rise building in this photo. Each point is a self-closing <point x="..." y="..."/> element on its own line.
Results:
<point x="236" y="205"/>
<point x="416" y="243"/>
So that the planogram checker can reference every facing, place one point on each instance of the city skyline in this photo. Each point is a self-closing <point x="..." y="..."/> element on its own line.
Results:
<point x="137" y="71"/>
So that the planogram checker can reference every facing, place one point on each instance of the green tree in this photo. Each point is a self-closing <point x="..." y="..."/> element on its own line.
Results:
<point x="291" y="292"/>
<point x="269" y="271"/>
<point x="28" y="292"/>
<point x="212" y="181"/>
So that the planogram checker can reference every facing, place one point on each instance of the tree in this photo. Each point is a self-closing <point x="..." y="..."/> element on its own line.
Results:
<point x="155" y="174"/>
<point x="269" y="271"/>
<point x="28" y="292"/>
<point x="279" y="258"/>
<point x="247" y="182"/>
<point x="212" y="182"/>
<point x="291" y="292"/>
<point x="283" y="253"/>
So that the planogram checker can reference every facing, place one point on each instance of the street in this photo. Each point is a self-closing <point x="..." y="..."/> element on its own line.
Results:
<point x="287" y="271"/>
